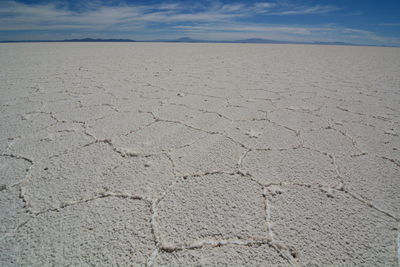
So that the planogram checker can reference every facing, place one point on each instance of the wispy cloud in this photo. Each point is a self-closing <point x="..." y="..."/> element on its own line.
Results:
<point x="20" y="16"/>
<point x="390" y="24"/>
<point x="211" y="20"/>
<point x="318" y="9"/>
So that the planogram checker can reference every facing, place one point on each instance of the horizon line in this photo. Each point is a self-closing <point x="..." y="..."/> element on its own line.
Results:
<point x="190" y="40"/>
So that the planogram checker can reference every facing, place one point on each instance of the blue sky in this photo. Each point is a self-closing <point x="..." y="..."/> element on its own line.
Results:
<point x="358" y="21"/>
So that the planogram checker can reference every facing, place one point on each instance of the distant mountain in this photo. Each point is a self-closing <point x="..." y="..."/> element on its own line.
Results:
<point x="190" y="40"/>
<point x="252" y="41"/>
<point x="186" y="40"/>
<point x="244" y="41"/>
<point x="181" y="40"/>
<point x="97" y="40"/>
<point x="268" y="41"/>
<point x="333" y="43"/>
<point x="259" y="41"/>
<point x="70" y="40"/>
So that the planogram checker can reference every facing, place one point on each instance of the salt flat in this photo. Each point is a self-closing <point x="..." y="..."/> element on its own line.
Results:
<point x="199" y="154"/>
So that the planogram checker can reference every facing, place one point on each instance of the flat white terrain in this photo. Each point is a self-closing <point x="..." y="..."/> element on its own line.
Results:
<point x="165" y="154"/>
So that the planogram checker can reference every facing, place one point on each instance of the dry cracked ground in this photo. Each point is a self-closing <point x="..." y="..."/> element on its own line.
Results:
<point x="199" y="154"/>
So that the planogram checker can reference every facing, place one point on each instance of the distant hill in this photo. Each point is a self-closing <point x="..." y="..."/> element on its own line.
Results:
<point x="245" y="41"/>
<point x="97" y="40"/>
<point x="186" y="40"/>
<point x="259" y="41"/>
<point x="190" y="40"/>
<point x="70" y="40"/>
<point x="181" y="40"/>
<point x="333" y="43"/>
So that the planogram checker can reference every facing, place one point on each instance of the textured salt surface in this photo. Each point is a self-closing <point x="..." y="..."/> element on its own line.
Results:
<point x="199" y="154"/>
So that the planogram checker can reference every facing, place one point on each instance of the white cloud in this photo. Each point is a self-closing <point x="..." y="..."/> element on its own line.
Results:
<point x="304" y="10"/>
<point x="232" y="8"/>
<point x="304" y="33"/>
<point x="390" y="24"/>
<point x="215" y="21"/>
<point x="16" y="15"/>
